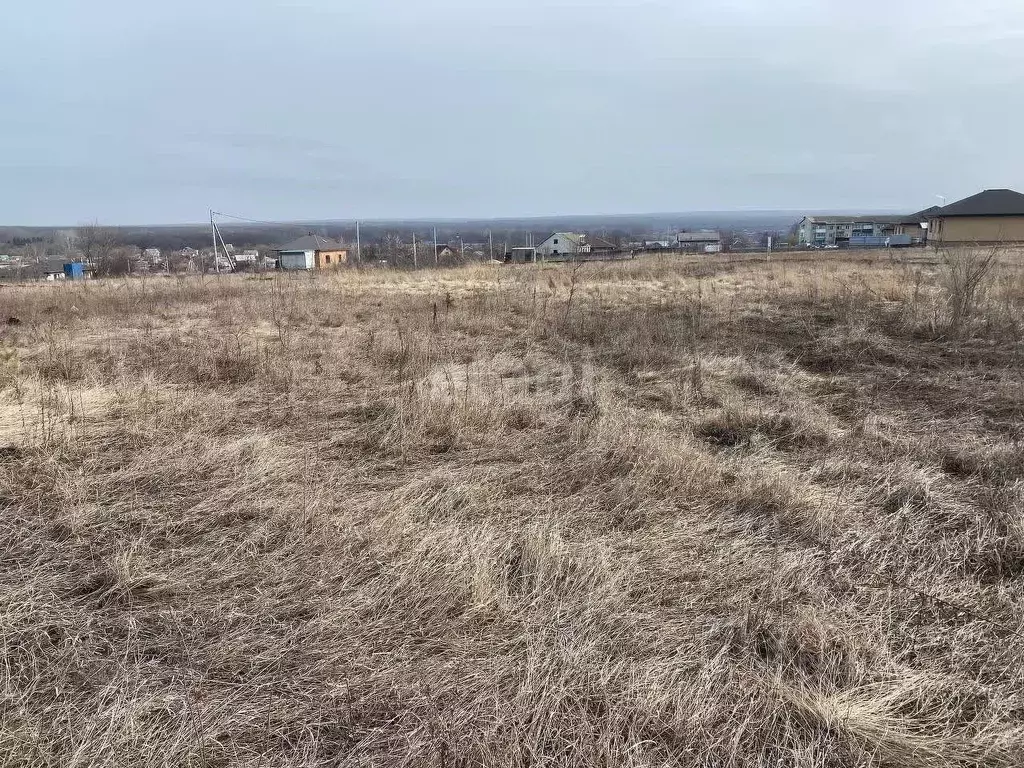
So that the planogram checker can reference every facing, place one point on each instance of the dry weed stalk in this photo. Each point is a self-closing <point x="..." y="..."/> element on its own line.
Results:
<point x="969" y="274"/>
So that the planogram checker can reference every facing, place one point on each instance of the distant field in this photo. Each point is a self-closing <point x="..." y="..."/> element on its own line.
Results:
<point x="694" y="512"/>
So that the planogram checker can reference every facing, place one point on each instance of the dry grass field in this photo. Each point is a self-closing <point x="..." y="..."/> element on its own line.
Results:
<point x="655" y="513"/>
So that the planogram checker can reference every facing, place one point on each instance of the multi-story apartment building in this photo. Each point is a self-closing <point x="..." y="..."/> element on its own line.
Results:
<point x="825" y="230"/>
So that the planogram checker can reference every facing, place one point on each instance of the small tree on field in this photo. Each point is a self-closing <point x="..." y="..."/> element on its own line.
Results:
<point x="99" y="246"/>
<point x="968" y="275"/>
<point x="118" y="261"/>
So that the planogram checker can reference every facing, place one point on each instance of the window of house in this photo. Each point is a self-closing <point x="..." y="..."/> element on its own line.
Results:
<point x="327" y="258"/>
<point x="556" y="241"/>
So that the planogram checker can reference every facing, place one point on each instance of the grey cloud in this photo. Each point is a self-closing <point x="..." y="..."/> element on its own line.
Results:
<point x="127" y="111"/>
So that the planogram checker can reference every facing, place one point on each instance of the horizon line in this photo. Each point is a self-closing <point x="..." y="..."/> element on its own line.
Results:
<point x="239" y="221"/>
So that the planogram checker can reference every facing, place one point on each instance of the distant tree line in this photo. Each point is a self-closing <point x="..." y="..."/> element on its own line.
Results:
<point x="20" y="242"/>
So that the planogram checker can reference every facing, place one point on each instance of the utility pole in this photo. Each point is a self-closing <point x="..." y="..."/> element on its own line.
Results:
<point x="462" y="249"/>
<point x="359" y="247"/>
<point x="435" y="247"/>
<point x="415" y="259"/>
<point x="224" y="246"/>
<point x="213" y="231"/>
<point x="490" y="244"/>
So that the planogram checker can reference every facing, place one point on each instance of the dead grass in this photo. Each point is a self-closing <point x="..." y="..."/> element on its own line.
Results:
<point x="690" y="513"/>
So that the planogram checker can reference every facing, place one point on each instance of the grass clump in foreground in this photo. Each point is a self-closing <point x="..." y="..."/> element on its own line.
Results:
<point x="695" y="513"/>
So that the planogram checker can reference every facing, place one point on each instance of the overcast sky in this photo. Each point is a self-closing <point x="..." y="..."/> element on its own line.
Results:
<point x="124" y="111"/>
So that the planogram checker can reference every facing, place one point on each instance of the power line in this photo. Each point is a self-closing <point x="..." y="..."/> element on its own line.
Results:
<point x="251" y="221"/>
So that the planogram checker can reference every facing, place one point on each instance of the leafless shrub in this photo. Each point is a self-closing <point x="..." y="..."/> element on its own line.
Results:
<point x="969" y="273"/>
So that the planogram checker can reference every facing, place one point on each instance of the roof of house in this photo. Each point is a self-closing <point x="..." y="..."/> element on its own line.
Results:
<point x="573" y="237"/>
<point x="991" y="202"/>
<point x="879" y="219"/>
<point x="55" y="264"/>
<point x="698" y="237"/>
<point x="598" y="243"/>
<point x="311" y="242"/>
<point x="579" y="239"/>
<point x="921" y="216"/>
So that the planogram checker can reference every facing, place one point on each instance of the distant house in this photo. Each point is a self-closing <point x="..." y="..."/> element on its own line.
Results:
<point x="52" y="267"/>
<point x="445" y="251"/>
<point x="592" y="244"/>
<point x="151" y="254"/>
<point x="247" y="257"/>
<point x="699" y="242"/>
<point x="560" y="244"/>
<point x="567" y="244"/>
<point x="312" y="252"/>
<point x="990" y="217"/>
<point x="61" y="268"/>
<point x="915" y="226"/>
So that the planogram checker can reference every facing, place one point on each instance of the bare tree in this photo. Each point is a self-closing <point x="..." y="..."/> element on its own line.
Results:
<point x="35" y="255"/>
<point x="98" y="246"/>
<point x="392" y="247"/>
<point x="65" y="242"/>
<point x="119" y="261"/>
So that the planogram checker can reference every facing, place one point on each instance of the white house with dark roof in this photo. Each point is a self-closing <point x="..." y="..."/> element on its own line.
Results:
<point x="704" y="241"/>
<point x="567" y="244"/>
